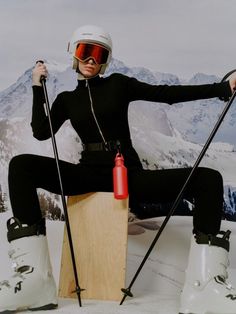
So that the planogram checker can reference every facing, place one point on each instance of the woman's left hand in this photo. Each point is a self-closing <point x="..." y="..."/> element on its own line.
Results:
<point x="232" y="81"/>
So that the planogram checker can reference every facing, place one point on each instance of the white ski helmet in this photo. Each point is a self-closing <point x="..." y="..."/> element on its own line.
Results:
<point x="90" y="34"/>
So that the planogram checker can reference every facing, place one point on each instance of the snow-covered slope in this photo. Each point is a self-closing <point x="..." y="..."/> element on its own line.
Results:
<point x="158" y="287"/>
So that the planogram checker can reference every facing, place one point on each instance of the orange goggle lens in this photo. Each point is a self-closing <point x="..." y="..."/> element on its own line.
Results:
<point x="85" y="51"/>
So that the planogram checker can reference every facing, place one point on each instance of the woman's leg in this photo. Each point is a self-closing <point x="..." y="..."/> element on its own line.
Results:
<point x="206" y="188"/>
<point x="28" y="172"/>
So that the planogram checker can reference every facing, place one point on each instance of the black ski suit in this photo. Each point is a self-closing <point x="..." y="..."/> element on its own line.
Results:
<point x="109" y="99"/>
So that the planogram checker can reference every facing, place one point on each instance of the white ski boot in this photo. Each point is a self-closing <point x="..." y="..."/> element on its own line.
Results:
<point x="205" y="290"/>
<point x="32" y="286"/>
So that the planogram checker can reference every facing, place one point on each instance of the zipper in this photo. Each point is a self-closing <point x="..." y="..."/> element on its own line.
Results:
<point x="94" y="115"/>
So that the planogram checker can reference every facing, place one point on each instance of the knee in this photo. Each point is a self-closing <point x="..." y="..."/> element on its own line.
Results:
<point x="210" y="176"/>
<point x="17" y="163"/>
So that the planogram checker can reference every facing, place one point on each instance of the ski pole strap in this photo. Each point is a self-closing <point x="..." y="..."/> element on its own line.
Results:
<point x="212" y="240"/>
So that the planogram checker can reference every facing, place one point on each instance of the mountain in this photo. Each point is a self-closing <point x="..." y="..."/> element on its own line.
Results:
<point x="196" y="120"/>
<point x="193" y="120"/>
<point x="164" y="136"/>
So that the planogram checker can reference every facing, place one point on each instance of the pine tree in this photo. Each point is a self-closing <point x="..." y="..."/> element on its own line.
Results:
<point x="2" y="200"/>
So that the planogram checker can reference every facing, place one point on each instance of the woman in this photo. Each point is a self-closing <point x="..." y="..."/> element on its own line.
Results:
<point x="98" y="109"/>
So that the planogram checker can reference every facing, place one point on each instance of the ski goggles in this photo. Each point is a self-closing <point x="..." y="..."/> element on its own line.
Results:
<point x="85" y="51"/>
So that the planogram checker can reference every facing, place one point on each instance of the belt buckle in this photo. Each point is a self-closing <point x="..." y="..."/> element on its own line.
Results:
<point x="107" y="146"/>
<point x="112" y="145"/>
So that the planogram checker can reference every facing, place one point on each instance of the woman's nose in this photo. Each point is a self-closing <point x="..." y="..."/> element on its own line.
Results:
<point x="91" y="61"/>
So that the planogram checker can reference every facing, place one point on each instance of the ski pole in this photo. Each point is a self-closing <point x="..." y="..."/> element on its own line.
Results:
<point x="55" y="150"/>
<point x="127" y="291"/>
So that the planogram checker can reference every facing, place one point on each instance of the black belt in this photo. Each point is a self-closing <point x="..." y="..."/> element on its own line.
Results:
<point x="116" y="145"/>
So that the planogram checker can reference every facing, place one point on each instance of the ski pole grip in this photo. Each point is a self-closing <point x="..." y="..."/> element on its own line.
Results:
<point x="43" y="78"/>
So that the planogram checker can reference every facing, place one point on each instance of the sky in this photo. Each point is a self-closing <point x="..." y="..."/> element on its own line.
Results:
<point x="182" y="37"/>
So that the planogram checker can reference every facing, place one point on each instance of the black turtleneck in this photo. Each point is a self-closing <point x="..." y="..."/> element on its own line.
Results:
<point x="110" y="97"/>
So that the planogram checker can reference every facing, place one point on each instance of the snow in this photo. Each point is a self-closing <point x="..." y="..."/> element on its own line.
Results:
<point x="157" y="288"/>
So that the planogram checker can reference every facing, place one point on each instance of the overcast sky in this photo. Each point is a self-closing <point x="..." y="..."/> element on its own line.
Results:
<point x="182" y="37"/>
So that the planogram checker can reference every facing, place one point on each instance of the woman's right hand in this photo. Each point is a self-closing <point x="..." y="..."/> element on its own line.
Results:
<point x="39" y="70"/>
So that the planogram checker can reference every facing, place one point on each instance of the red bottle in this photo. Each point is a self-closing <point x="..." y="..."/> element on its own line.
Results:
<point x="120" y="178"/>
